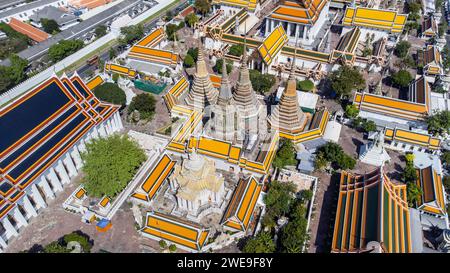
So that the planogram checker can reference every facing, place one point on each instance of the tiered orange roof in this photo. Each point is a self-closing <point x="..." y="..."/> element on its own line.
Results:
<point x="304" y="11"/>
<point x="34" y="33"/>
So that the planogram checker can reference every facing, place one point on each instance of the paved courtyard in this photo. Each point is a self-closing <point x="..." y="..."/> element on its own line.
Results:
<point x="54" y="222"/>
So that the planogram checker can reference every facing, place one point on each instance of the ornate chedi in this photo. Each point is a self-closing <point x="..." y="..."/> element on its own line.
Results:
<point x="196" y="184"/>
<point x="224" y="113"/>
<point x="202" y="93"/>
<point x="249" y="107"/>
<point x="374" y="153"/>
<point x="287" y="116"/>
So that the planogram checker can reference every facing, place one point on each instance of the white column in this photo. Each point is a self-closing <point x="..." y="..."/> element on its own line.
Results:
<point x="267" y="25"/>
<point x="119" y="120"/>
<point x="95" y="133"/>
<point x="305" y="29"/>
<point x="288" y="30"/>
<point x="20" y="219"/>
<point x="272" y="26"/>
<point x="77" y="158"/>
<point x="3" y="244"/>
<point x="70" y="166"/>
<point x="102" y="130"/>
<point x="46" y="187"/>
<point x="57" y="186"/>
<point x="40" y="202"/>
<point x="62" y="173"/>
<point x="82" y="145"/>
<point x="10" y="229"/>
<point x="29" y="207"/>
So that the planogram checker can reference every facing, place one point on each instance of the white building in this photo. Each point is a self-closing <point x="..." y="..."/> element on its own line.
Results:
<point x="43" y="133"/>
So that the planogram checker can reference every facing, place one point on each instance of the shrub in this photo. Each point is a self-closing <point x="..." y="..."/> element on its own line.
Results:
<point x="305" y="85"/>
<point x="402" y="78"/>
<point x="145" y="104"/>
<point x="83" y="240"/>
<point x="110" y="92"/>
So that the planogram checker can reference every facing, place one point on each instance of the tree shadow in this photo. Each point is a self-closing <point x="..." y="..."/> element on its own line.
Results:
<point x="358" y="143"/>
<point x="327" y="214"/>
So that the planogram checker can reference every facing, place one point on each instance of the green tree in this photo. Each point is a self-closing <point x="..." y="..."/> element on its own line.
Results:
<point x="50" y="26"/>
<point x="333" y="153"/>
<point x="162" y="244"/>
<point x="345" y="79"/>
<point x="109" y="164"/>
<point x="261" y="243"/>
<point x="369" y="126"/>
<point x="446" y="57"/>
<point x="55" y="247"/>
<point x="285" y="155"/>
<point x="439" y="123"/>
<point x="145" y="104"/>
<point x="63" y="49"/>
<point x="351" y="111"/>
<point x="131" y="34"/>
<point x="442" y="29"/>
<point x="100" y="31"/>
<point x="306" y="195"/>
<point x="191" y="19"/>
<point x="236" y="50"/>
<point x="82" y="240"/>
<point x="409" y="174"/>
<point x="413" y="193"/>
<point x="112" y="53"/>
<point x="218" y="66"/>
<point x="261" y="83"/>
<point x="193" y="52"/>
<point x="188" y="61"/>
<point x="172" y="248"/>
<point x="171" y="30"/>
<point x="320" y="162"/>
<point x="445" y="158"/>
<point x="110" y="92"/>
<point x="414" y="7"/>
<point x="202" y="6"/>
<point x="279" y="198"/>
<point x="446" y="182"/>
<point x="401" y="49"/>
<point x="402" y="78"/>
<point x="17" y="69"/>
<point x="294" y="235"/>
<point x="305" y="85"/>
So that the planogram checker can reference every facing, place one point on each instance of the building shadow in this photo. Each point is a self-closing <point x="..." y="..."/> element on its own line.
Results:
<point x="327" y="215"/>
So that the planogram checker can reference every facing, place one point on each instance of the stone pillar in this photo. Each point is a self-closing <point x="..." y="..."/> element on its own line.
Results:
<point x="119" y="120"/>
<point x="62" y="173"/>
<point x="10" y="229"/>
<point x="3" y="244"/>
<point x="70" y="165"/>
<point x="57" y="186"/>
<point x="40" y="202"/>
<point x="77" y="158"/>
<point x="29" y="208"/>
<point x="20" y="219"/>
<point x="46" y="187"/>
<point x="102" y="130"/>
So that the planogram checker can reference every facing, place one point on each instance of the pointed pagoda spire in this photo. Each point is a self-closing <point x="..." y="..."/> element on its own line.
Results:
<point x="244" y="95"/>
<point x="225" y="94"/>
<point x="287" y="116"/>
<point x="202" y="92"/>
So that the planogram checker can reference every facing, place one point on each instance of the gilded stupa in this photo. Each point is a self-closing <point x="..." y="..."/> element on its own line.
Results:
<point x="202" y="91"/>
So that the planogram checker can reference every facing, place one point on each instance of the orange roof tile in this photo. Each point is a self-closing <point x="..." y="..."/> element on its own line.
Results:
<point x="34" y="33"/>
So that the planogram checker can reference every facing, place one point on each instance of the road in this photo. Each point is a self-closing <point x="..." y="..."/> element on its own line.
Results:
<point x="83" y="71"/>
